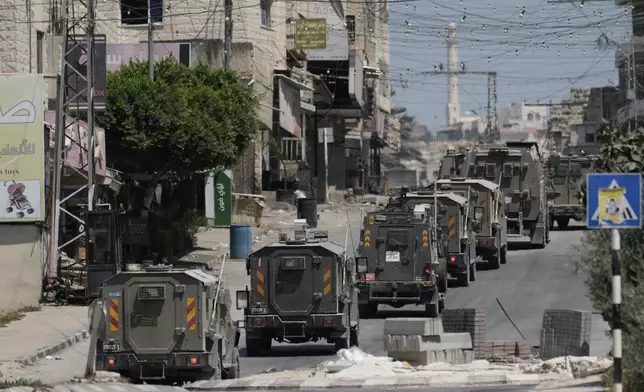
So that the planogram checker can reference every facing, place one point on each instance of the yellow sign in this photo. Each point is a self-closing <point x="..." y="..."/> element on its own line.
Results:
<point x="22" y="148"/>
<point x="610" y="205"/>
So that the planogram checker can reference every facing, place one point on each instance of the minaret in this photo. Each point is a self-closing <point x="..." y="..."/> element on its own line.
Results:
<point x="453" y="107"/>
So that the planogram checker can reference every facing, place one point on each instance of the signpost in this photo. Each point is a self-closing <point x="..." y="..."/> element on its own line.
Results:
<point x="614" y="201"/>
<point x="223" y="199"/>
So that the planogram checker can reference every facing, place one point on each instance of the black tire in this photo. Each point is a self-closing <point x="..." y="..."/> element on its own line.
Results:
<point x="442" y="276"/>
<point x="551" y="222"/>
<point x="21" y="214"/>
<point x="343" y="342"/>
<point x="354" y="338"/>
<point x="367" y="311"/>
<point x="234" y="371"/>
<point x="473" y="272"/>
<point x="562" y="223"/>
<point x="432" y="310"/>
<point x="255" y="347"/>
<point x="30" y="211"/>
<point x="504" y="255"/>
<point x="9" y="209"/>
<point x="463" y="279"/>
<point x="494" y="262"/>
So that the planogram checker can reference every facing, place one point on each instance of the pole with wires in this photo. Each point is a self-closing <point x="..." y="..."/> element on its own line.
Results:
<point x="228" y="33"/>
<point x="617" y="311"/>
<point x="150" y="42"/>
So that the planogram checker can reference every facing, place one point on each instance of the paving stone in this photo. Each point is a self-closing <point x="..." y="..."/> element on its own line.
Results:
<point x="443" y="341"/>
<point x="424" y="357"/>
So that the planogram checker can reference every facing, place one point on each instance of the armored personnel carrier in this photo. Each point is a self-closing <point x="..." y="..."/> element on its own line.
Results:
<point x="518" y="170"/>
<point x="455" y="218"/>
<point x="452" y="164"/>
<point x="489" y="223"/>
<point x="567" y="178"/>
<point x="401" y="262"/>
<point x="162" y="323"/>
<point x="301" y="290"/>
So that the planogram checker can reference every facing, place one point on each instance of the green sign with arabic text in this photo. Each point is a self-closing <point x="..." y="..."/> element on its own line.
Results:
<point x="310" y="34"/>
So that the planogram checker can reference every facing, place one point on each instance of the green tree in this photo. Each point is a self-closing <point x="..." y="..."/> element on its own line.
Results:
<point x="620" y="152"/>
<point x="187" y="120"/>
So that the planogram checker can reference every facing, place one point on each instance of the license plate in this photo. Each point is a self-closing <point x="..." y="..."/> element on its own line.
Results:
<point x="392" y="257"/>
<point x="110" y="347"/>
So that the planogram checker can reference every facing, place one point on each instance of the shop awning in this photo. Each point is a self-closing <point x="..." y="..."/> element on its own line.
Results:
<point x="290" y="106"/>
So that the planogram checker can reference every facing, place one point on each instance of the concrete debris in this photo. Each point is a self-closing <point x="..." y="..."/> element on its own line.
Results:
<point x="347" y="358"/>
<point x="575" y="366"/>
<point x="101" y="377"/>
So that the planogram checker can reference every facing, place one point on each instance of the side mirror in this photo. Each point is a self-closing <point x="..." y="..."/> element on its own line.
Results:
<point x="361" y="265"/>
<point x="242" y="299"/>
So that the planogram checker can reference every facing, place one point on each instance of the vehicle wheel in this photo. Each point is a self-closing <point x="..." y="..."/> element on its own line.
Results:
<point x="432" y="310"/>
<point x="30" y="211"/>
<point x="551" y="222"/>
<point x="473" y="272"/>
<point x="464" y="278"/>
<point x="354" y="339"/>
<point x="9" y="209"/>
<point x="504" y="255"/>
<point x="267" y="343"/>
<point x="562" y="223"/>
<point x="343" y="342"/>
<point x="442" y="277"/>
<point x="235" y="370"/>
<point x="254" y="347"/>
<point x="494" y="262"/>
<point x="367" y="311"/>
<point x="21" y="214"/>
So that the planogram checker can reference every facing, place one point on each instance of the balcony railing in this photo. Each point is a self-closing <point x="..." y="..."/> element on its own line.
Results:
<point x="291" y="149"/>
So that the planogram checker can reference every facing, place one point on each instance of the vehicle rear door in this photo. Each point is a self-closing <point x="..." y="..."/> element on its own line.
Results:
<point x="396" y="252"/>
<point x="292" y="282"/>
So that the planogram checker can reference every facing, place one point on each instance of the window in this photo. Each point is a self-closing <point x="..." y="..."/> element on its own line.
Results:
<point x="265" y="8"/>
<point x="490" y="170"/>
<point x="537" y="117"/>
<point x="530" y="117"/>
<point x="590" y="137"/>
<point x="135" y="12"/>
<point x="40" y="38"/>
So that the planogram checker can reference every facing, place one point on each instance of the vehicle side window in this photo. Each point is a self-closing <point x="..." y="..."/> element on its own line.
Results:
<point x="490" y="171"/>
<point x="508" y="170"/>
<point x="575" y="170"/>
<point x="562" y="170"/>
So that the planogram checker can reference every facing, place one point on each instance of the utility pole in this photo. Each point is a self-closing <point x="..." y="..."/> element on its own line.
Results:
<point x="228" y="33"/>
<point x="150" y="42"/>
<point x="90" y="104"/>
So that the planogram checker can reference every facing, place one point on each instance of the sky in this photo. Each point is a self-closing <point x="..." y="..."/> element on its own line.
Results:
<point x="539" y="50"/>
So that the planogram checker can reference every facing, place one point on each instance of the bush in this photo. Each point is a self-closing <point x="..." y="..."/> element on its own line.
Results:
<point x="620" y="152"/>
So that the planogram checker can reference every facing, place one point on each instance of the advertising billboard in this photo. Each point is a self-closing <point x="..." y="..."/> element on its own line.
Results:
<point x="22" y="148"/>
<point x="77" y="57"/>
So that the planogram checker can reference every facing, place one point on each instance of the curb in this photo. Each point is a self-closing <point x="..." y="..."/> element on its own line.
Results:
<point x="55" y="349"/>
<point x="246" y="384"/>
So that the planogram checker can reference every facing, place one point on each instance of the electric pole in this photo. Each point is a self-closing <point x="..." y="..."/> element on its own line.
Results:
<point x="150" y="42"/>
<point x="228" y="33"/>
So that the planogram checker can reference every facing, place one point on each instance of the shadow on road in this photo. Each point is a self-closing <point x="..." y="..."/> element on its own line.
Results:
<point x="570" y="228"/>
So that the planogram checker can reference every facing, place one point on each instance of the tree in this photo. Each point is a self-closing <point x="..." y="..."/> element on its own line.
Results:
<point x="187" y="120"/>
<point x="620" y="152"/>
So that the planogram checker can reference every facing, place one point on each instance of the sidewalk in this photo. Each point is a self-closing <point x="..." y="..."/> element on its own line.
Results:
<point x="42" y="333"/>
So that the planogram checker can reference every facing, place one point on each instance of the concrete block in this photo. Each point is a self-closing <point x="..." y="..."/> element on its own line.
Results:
<point x="413" y="326"/>
<point x="565" y="332"/>
<point x="425" y="357"/>
<point x="443" y="341"/>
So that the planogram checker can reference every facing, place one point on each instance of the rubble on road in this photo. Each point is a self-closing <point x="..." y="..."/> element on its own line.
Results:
<point x="578" y="367"/>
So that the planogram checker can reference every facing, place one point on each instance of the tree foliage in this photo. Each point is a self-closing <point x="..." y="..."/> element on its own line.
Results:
<point x="620" y="152"/>
<point x="186" y="120"/>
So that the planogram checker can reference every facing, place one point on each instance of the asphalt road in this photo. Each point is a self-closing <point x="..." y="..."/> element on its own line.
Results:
<point x="531" y="281"/>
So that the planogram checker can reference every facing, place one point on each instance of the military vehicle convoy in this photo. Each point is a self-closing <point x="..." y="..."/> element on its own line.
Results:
<point x="489" y="222"/>
<point x="517" y="169"/>
<point x="455" y="219"/>
<point x="567" y="177"/>
<point x="166" y="324"/>
<point x="452" y="164"/>
<point x="301" y="289"/>
<point x="401" y="262"/>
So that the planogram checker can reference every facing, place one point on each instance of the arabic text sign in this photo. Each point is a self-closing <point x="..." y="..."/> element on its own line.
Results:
<point x="310" y="34"/>
<point x="614" y="201"/>
<point x="22" y="148"/>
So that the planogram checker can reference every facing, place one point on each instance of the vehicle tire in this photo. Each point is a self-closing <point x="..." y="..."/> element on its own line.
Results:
<point x="367" y="311"/>
<point x="504" y="255"/>
<point x="235" y="370"/>
<point x="21" y="214"/>
<point x="494" y="262"/>
<point x="254" y="347"/>
<point x="343" y="342"/>
<point x="551" y="221"/>
<point x="473" y="272"/>
<point x="463" y="279"/>
<point x="30" y="211"/>
<point x="562" y="223"/>
<point x="432" y="310"/>
<point x="354" y="339"/>
<point x="442" y="276"/>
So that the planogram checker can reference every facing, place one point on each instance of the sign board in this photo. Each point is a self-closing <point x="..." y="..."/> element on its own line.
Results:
<point x="119" y="54"/>
<point x="223" y="199"/>
<point x="310" y="34"/>
<point x="337" y="35"/>
<point x="22" y="148"/>
<point x="77" y="57"/>
<point x="614" y="201"/>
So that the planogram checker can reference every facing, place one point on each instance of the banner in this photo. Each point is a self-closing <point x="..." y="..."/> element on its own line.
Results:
<point x="22" y="148"/>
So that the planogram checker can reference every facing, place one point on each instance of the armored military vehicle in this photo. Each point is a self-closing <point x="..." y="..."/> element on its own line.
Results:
<point x="162" y="323"/>
<point x="518" y="170"/>
<point x="567" y="178"/>
<point x="454" y="218"/>
<point x="301" y="290"/>
<point x="401" y="262"/>
<point x="489" y="222"/>
<point x="452" y="164"/>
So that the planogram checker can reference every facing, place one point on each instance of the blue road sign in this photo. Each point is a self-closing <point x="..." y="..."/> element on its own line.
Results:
<point x="614" y="201"/>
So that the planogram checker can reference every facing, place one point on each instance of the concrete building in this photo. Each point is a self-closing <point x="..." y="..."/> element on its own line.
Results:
<point x="520" y="116"/>
<point x="628" y="58"/>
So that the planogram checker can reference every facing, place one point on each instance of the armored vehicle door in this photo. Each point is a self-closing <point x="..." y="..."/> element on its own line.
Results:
<point x="302" y="281"/>
<point x="396" y="252"/>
